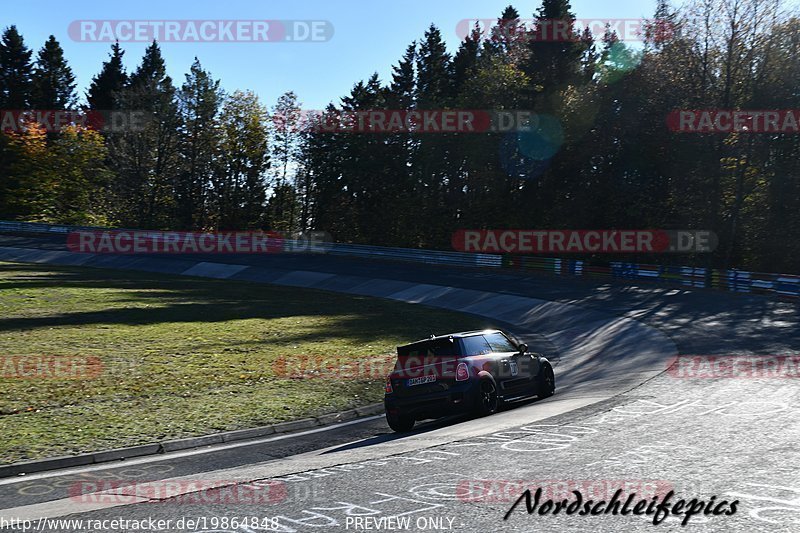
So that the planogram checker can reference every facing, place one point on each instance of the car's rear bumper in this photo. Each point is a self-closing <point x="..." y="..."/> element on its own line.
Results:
<point x="458" y="399"/>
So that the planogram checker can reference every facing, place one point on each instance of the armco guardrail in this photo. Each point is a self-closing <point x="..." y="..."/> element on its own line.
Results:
<point x="433" y="257"/>
<point x="36" y="227"/>
<point x="780" y="285"/>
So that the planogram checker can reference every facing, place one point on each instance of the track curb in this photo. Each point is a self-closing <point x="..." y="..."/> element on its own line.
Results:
<point x="167" y="446"/>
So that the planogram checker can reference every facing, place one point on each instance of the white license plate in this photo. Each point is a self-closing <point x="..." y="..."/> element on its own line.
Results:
<point x="420" y="380"/>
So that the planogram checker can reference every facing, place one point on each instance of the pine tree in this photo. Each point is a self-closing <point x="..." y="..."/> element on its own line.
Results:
<point x="434" y="71"/>
<point x="147" y="159"/>
<point x="15" y="71"/>
<point x="107" y="84"/>
<point x="366" y="155"/>
<point x="555" y="49"/>
<point x="465" y="59"/>
<point x="150" y="80"/>
<point x="400" y="94"/>
<point x="507" y="37"/>
<point x="200" y="98"/>
<point x="53" y="84"/>
<point x="400" y="149"/>
<point x="433" y="158"/>
<point x="322" y="161"/>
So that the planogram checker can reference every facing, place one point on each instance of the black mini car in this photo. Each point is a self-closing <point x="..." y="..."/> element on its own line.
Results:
<point x="470" y="372"/>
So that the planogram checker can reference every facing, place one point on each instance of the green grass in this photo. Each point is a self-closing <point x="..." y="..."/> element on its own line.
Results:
<point x="183" y="356"/>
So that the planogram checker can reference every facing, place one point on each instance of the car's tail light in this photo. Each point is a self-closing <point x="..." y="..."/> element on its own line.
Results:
<point x="389" y="385"/>
<point x="462" y="372"/>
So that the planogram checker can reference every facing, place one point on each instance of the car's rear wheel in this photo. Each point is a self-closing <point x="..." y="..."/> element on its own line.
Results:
<point x="487" y="398"/>
<point x="546" y="382"/>
<point x="400" y="423"/>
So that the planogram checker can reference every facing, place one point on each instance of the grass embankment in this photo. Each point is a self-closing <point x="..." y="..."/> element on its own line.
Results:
<point x="182" y="356"/>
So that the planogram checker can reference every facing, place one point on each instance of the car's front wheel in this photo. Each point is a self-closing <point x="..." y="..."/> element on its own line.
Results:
<point x="400" y="423"/>
<point x="546" y="382"/>
<point x="487" y="398"/>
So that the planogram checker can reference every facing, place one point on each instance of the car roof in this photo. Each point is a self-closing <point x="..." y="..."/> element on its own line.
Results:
<point x="459" y="335"/>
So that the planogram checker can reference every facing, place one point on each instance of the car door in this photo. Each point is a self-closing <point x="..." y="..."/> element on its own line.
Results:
<point x="517" y="370"/>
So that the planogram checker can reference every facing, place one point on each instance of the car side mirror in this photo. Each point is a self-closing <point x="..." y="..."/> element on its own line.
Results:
<point x="523" y="348"/>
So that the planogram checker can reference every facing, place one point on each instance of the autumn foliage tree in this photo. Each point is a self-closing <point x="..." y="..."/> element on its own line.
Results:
<point x="598" y="152"/>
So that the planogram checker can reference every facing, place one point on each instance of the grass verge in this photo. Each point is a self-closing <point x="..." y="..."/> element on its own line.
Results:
<point x="173" y="357"/>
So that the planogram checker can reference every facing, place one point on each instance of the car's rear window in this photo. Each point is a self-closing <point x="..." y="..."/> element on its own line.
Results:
<point x="434" y="348"/>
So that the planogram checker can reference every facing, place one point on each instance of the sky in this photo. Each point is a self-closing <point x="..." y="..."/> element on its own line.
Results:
<point x="368" y="36"/>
